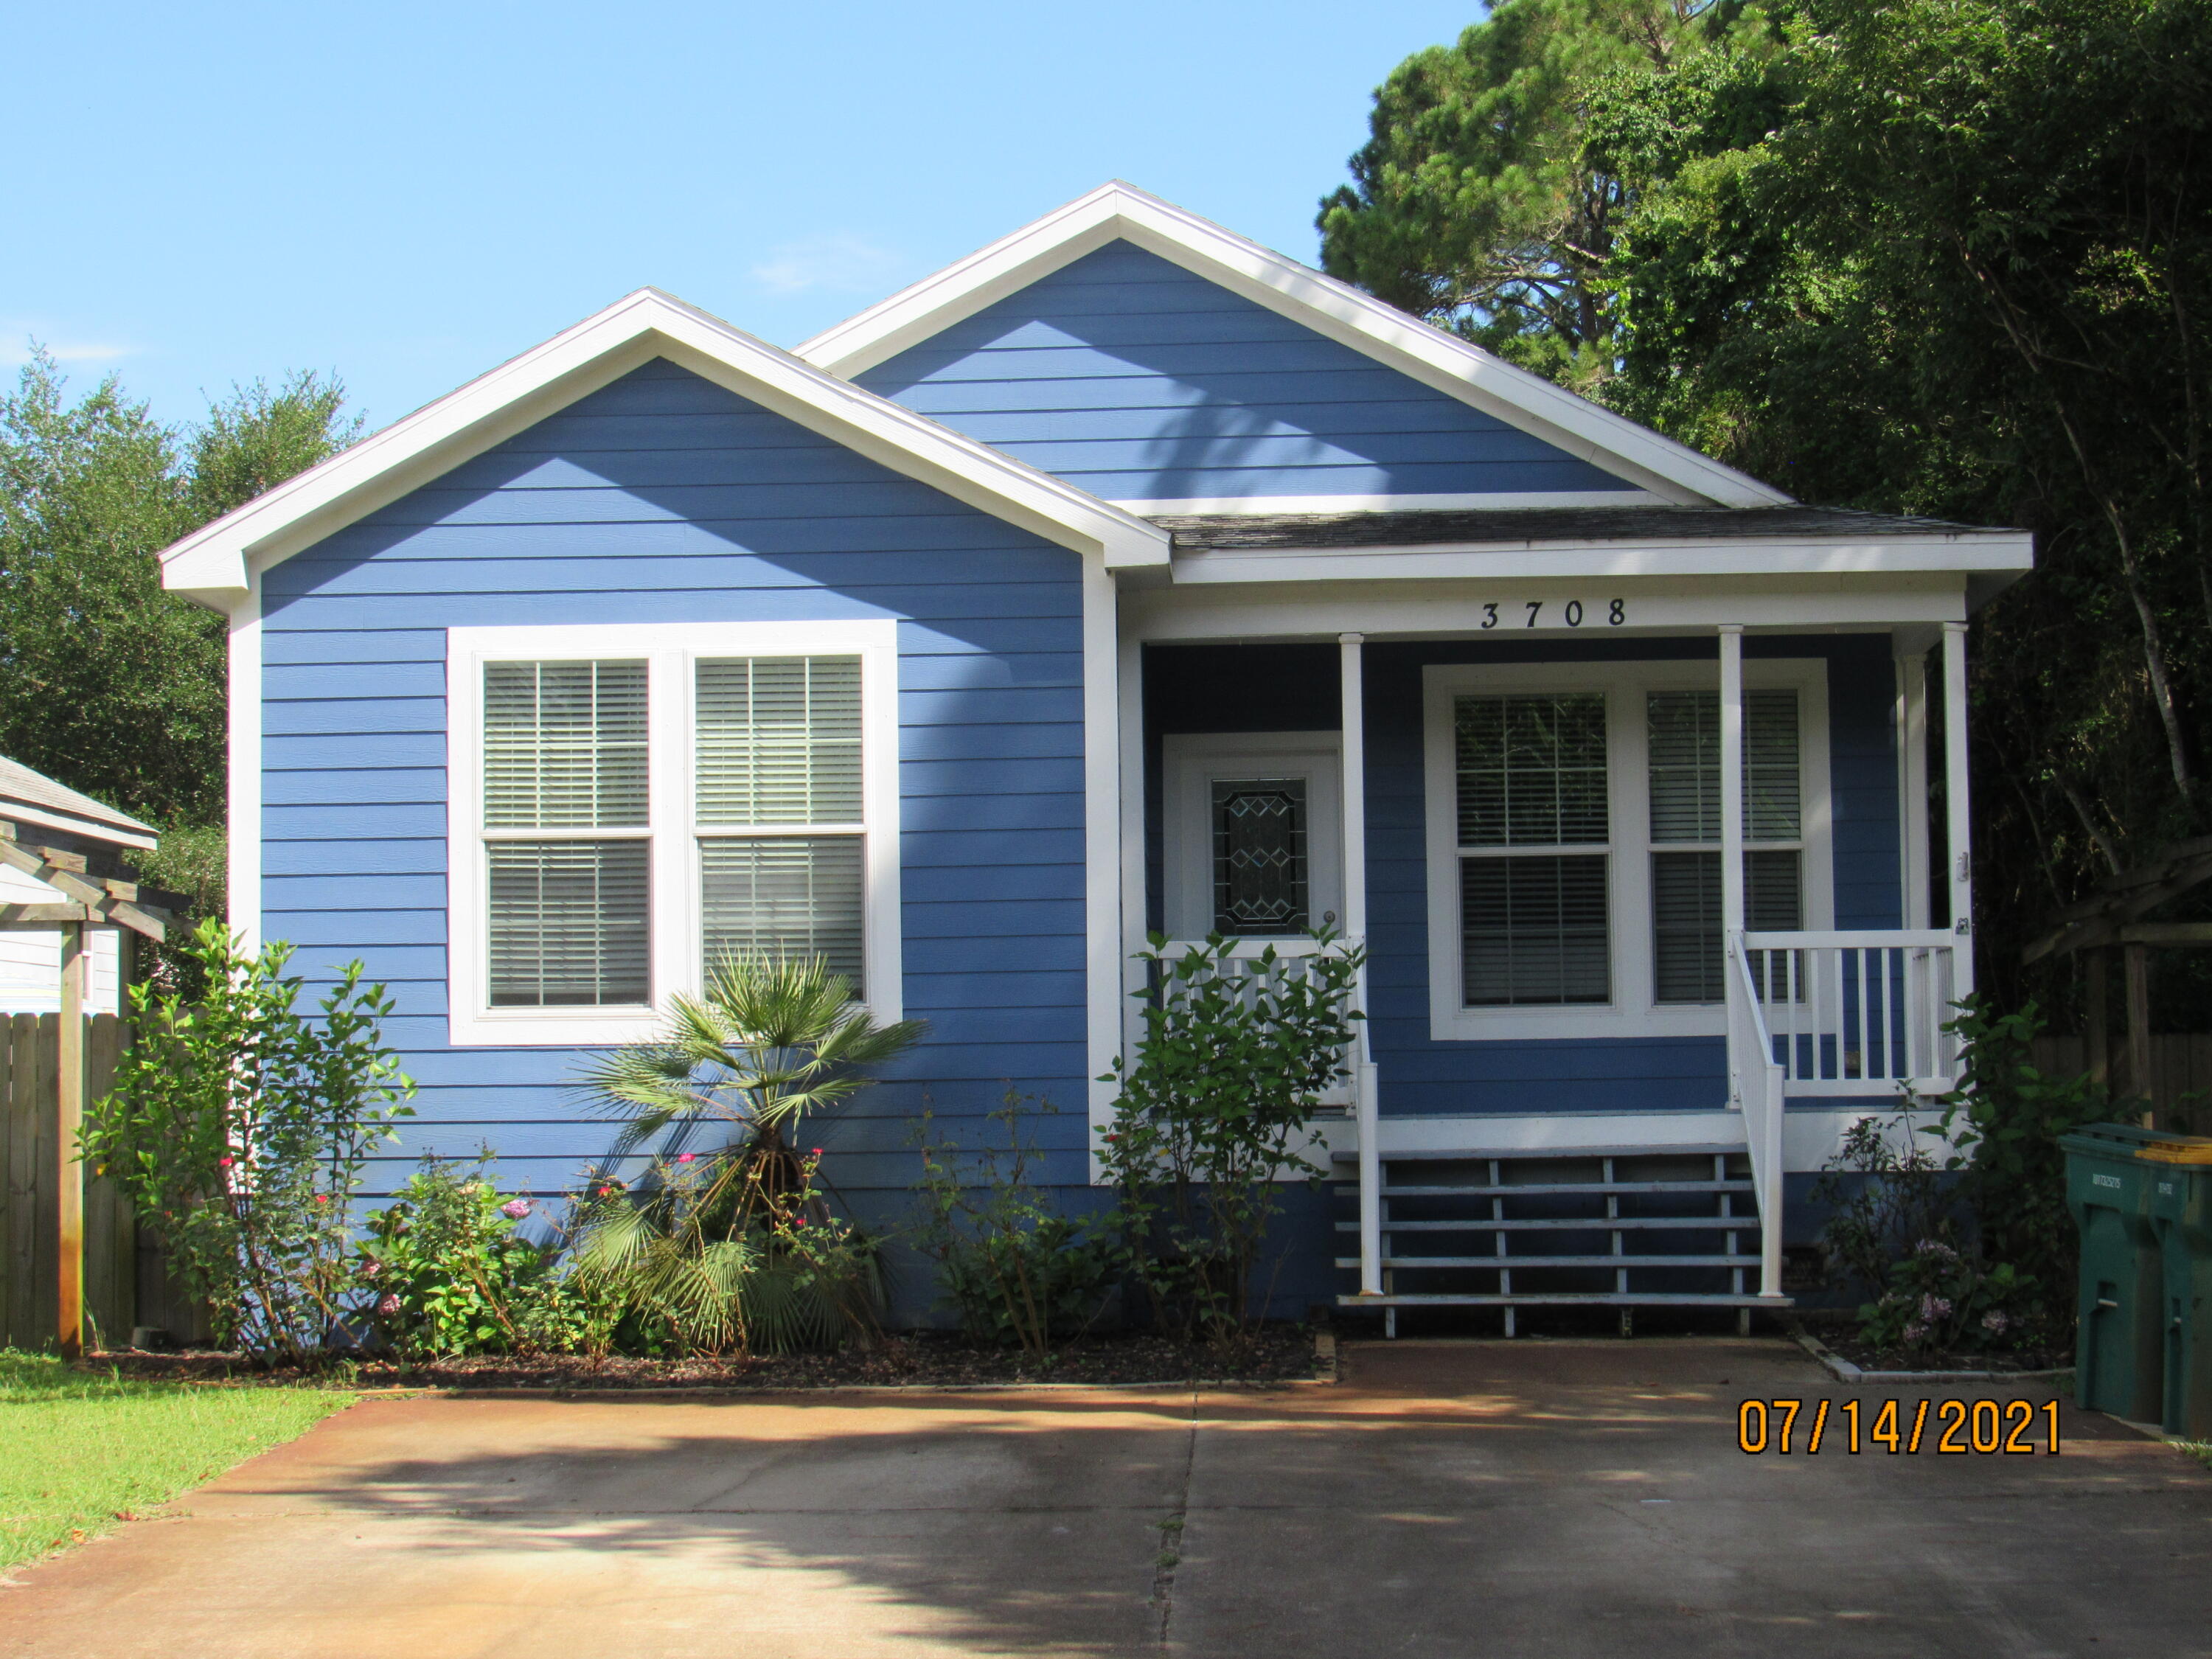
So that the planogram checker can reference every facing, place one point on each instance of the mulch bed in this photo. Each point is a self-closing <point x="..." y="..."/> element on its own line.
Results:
<point x="1868" y="1357"/>
<point x="1277" y="1353"/>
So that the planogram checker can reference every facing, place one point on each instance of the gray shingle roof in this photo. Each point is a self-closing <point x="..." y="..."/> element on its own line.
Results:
<point x="21" y="785"/>
<point x="1523" y="525"/>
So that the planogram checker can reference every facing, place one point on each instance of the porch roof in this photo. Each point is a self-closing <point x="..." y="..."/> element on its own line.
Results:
<point x="1533" y="526"/>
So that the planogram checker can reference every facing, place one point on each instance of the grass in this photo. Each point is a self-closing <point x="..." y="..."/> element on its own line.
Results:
<point x="81" y="1451"/>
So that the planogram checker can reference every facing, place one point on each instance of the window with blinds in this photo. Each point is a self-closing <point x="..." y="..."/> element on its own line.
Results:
<point x="778" y="749"/>
<point x="1535" y="926"/>
<point x="1688" y="961"/>
<point x="567" y="845"/>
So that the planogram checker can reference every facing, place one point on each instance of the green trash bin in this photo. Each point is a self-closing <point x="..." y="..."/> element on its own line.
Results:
<point x="2181" y="1213"/>
<point x="2119" y="1347"/>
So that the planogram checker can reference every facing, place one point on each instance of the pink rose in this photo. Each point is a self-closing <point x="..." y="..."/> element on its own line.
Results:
<point x="515" y="1208"/>
<point x="387" y="1304"/>
<point x="685" y="1158"/>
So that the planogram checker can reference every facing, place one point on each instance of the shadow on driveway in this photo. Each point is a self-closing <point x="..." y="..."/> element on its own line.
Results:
<point x="1447" y="1499"/>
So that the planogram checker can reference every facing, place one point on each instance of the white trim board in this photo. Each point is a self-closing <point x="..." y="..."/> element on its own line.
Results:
<point x="670" y="651"/>
<point x="212" y="563"/>
<point x="1997" y="550"/>
<point x="1337" y="311"/>
<point x="1811" y="1135"/>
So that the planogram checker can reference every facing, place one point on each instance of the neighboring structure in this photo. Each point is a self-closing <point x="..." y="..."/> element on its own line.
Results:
<point x="1126" y="576"/>
<point x="50" y="815"/>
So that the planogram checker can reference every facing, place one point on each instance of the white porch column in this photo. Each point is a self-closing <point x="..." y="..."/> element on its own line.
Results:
<point x="1353" y="715"/>
<point x="1957" y="810"/>
<point x="1731" y="785"/>
<point x="1912" y="784"/>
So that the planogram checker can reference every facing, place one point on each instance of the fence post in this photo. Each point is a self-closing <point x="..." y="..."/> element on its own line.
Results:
<point x="69" y="1125"/>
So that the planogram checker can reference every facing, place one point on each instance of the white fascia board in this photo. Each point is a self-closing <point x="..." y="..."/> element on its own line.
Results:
<point x="212" y="563"/>
<point x="1672" y="471"/>
<point x="90" y="829"/>
<point x="1974" y="553"/>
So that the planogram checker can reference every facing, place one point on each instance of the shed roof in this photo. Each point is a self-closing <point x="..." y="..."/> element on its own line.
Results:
<point x="35" y="797"/>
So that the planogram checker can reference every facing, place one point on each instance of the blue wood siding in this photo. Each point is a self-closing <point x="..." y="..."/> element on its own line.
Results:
<point x="1292" y="688"/>
<point x="665" y="498"/>
<point x="1139" y="380"/>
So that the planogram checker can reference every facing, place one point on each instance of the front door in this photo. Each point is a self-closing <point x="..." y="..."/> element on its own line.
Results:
<point x="1253" y="824"/>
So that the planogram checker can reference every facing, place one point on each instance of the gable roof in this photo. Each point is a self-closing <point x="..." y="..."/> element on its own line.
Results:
<point x="34" y="797"/>
<point x="1119" y="211"/>
<point x="212" y="563"/>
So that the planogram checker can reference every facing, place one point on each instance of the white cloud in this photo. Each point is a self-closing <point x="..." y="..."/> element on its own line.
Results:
<point x="835" y="264"/>
<point x="15" y="349"/>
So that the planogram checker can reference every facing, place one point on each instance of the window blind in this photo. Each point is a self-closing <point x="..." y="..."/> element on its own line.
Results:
<point x="564" y="746"/>
<point x="565" y="749"/>
<point x="1532" y="773"/>
<point x="1684" y="728"/>
<point x="1688" y="961"/>
<point x="1533" y="930"/>
<point x="779" y="741"/>
<point x="569" y="925"/>
<point x="784" y="896"/>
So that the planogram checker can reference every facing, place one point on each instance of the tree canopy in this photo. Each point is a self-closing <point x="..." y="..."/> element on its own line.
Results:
<point x="1948" y="257"/>
<point x="107" y="682"/>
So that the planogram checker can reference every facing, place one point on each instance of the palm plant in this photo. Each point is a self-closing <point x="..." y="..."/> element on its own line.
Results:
<point x="734" y="1247"/>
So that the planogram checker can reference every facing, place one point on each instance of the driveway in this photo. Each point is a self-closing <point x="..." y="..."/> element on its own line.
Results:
<point x="1446" y="1499"/>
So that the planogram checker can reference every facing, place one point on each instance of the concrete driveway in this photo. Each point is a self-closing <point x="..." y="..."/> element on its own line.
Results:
<point x="1447" y="1499"/>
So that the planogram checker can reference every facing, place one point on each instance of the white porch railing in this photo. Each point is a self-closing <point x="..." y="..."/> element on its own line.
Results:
<point x="1857" y="1013"/>
<point x="1835" y="1013"/>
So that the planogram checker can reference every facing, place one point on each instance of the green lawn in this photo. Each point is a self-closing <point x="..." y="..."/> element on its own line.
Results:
<point x="80" y="1451"/>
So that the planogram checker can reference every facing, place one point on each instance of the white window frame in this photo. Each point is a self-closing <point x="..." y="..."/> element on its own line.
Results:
<point x="1633" y="1011"/>
<point x="671" y="652"/>
<point x="1189" y="764"/>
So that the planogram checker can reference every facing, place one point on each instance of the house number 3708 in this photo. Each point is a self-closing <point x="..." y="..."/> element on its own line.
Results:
<point x="1616" y="613"/>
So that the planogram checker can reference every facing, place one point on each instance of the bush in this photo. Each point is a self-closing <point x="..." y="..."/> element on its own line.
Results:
<point x="444" y="1270"/>
<point x="1234" y="1059"/>
<point x="1017" y="1269"/>
<point x="239" y="1128"/>
<point x="734" y="1248"/>
<point x="1902" y="1193"/>
<point x="2003" y="1123"/>
<point x="1941" y="1299"/>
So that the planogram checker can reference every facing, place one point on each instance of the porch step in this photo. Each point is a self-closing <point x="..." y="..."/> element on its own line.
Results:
<point x="1619" y="1227"/>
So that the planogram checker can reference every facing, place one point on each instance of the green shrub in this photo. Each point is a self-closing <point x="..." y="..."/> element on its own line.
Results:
<point x="239" y="1128"/>
<point x="734" y="1248"/>
<point x="444" y="1270"/>
<point x="1017" y="1269"/>
<point x="1942" y="1299"/>
<point x="1231" y="1066"/>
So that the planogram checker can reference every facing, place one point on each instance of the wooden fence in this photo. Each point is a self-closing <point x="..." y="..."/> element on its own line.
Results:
<point x="126" y="1282"/>
<point x="2180" y="1075"/>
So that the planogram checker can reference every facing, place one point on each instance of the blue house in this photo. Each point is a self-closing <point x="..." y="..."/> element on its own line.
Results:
<point x="1126" y="576"/>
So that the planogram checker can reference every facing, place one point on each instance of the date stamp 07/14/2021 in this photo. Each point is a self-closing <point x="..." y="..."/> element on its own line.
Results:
<point x="1956" y="1428"/>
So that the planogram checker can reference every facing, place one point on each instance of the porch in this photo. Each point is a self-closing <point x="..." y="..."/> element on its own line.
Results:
<point x="1617" y="993"/>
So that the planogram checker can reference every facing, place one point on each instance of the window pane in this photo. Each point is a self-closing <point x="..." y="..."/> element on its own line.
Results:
<point x="569" y="923"/>
<point x="564" y="744"/>
<point x="780" y="740"/>
<point x="1260" y="856"/>
<point x="1687" y="963"/>
<point x="1771" y="806"/>
<point x="784" y="896"/>
<point x="1533" y="930"/>
<point x="1685" y="766"/>
<point x="1686" y="928"/>
<point x="1531" y="771"/>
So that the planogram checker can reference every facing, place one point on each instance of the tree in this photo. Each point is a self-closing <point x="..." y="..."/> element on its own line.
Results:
<point x="1475" y="203"/>
<point x="107" y="682"/>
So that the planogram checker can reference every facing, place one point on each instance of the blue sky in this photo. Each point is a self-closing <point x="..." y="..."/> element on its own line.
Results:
<point x="408" y="193"/>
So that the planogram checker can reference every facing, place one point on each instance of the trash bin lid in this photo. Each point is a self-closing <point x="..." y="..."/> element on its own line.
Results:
<point x="2178" y="1149"/>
